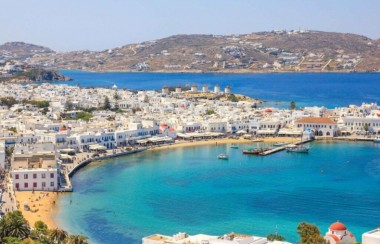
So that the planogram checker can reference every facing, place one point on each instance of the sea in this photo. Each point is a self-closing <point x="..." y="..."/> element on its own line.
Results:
<point x="189" y="190"/>
<point x="277" y="89"/>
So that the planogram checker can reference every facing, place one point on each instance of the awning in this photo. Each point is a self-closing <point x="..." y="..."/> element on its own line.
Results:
<point x="97" y="147"/>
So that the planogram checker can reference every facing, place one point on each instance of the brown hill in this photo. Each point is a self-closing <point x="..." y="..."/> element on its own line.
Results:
<point x="277" y="51"/>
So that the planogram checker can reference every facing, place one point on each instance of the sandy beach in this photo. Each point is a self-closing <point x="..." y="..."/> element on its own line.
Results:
<point x="42" y="206"/>
<point x="180" y="144"/>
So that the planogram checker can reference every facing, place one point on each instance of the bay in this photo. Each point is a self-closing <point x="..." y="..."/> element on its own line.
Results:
<point x="189" y="190"/>
<point x="306" y="89"/>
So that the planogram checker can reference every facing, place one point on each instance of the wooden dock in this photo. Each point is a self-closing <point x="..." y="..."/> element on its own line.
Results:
<point x="278" y="149"/>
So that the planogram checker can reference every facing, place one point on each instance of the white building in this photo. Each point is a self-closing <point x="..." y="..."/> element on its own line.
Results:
<point x="371" y="237"/>
<point x="2" y="156"/>
<point x="34" y="167"/>
<point x="216" y="88"/>
<point x="339" y="234"/>
<point x="227" y="90"/>
<point x="231" y="238"/>
<point x="358" y="124"/>
<point x="319" y="126"/>
<point x="194" y="88"/>
<point x="205" y="88"/>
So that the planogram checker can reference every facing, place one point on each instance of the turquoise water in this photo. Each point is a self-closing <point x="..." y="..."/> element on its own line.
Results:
<point x="190" y="190"/>
<point x="306" y="89"/>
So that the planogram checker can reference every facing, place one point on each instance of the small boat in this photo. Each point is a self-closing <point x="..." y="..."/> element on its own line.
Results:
<point x="222" y="156"/>
<point x="253" y="151"/>
<point x="280" y="144"/>
<point x="377" y="139"/>
<point x="234" y="146"/>
<point x="297" y="149"/>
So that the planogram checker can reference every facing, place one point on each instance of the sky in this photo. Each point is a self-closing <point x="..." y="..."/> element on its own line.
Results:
<point x="66" y="25"/>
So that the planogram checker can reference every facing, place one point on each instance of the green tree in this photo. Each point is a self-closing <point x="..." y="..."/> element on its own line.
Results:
<point x="58" y="235"/>
<point x="16" y="225"/>
<point x="8" y="101"/>
<point x="233" y="98"/>
<point x="210" y="111"/>
<point x="77" y="239"/>
<point x="309" y="234"/>
<point x="275" y="237"/>
<point x="366" y="127"/>
<point x="292" y="105"/>
<point x="11" y="240"/>
<point x="106" y="104"/>
<point x="40" y="230"/>
<point x="116" y="96"/>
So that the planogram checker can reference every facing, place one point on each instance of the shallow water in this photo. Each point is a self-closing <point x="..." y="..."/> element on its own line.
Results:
<point x="189" y="190"/>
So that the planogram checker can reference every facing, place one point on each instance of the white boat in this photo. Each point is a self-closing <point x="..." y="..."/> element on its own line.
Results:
<point x="234" y="146"/>
<point x="223" y="156"/>
<point x="297" y="149"/>
<point x="377" y="139"/>
<point x="280" y="144"/>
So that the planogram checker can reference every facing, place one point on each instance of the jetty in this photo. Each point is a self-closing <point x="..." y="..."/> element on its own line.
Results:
<point x="278" y="149"/>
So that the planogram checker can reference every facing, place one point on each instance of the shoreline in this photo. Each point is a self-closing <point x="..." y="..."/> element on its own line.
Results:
<point x="43" y="206"/>
<point x="47" y="205"/>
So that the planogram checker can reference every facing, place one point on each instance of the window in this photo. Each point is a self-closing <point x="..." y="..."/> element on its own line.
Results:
<point x="43" y="175"/>
<point x="51" y="175"/>
<point x="43" y="184"/>
<point x="16" y="177"/>
<point x="26" y="185"/>
<point x="17" y="186"/>
<point x="34" y="184"/>
<point x="52" y="184"/>
<point x="25" y="176"/>
<point x="34" y="176"/>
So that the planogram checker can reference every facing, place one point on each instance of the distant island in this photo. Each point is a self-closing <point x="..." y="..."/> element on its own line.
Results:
<point x="261" y="52"/>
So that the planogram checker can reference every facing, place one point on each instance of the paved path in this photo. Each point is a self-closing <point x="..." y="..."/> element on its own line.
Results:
<point x="8" y="201"/>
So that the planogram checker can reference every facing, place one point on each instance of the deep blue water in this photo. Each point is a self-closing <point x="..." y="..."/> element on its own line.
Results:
<point x="306" y="89"/>
<point x="190" y="190"/>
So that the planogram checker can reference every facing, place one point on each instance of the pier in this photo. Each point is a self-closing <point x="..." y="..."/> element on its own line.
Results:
<point x="278" y="149"/>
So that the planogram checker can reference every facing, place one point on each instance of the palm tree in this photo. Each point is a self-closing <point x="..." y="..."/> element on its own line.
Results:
<point x="3" y="228"/>
<point x="58" y="235"/>
<point x="77" y="239"/>
<point x="16" y="225"/>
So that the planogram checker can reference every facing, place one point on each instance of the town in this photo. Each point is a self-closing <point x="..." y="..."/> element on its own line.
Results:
<point x="48" y="131"/>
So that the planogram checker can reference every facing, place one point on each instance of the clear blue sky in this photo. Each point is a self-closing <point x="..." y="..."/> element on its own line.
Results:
<point x="100" y="24"/>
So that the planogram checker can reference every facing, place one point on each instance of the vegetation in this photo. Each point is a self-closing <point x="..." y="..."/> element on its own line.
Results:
<point x="275" y="237"/>
<point x="14" y="229"/>
<point x="84" y="116"/>
<point x="116" y="96"/>
<point x="233" y="98"/>
<point x="309" y="234"/>
<point x="210" y="111"/>
<point x="8" y="101"/>
<point x="106" y="104"/>
<point x="292" y="105"/>
<point x="39" y="104"/>
<point x="14" y="129"/>
<point x="366" y="127"/>
<point x="9" y="151"/>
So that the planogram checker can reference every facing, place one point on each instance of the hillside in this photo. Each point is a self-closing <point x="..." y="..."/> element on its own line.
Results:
<point x="280" y="51"/>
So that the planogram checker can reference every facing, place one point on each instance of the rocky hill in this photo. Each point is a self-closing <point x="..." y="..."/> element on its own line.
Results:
<point x="21" y="51"/>
<point x="276" y="51"/>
